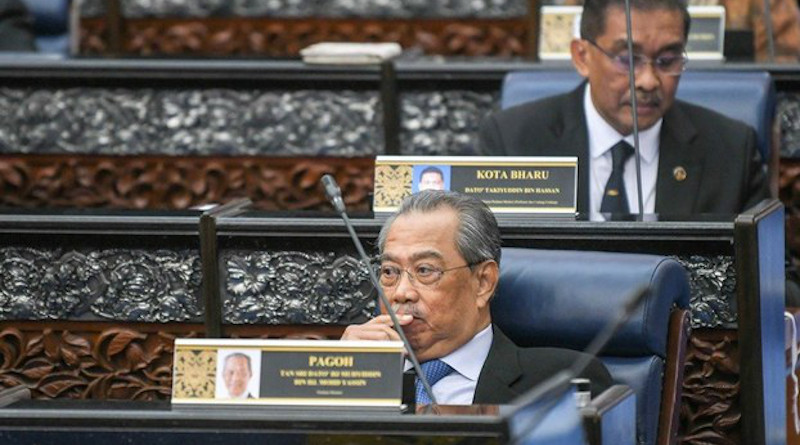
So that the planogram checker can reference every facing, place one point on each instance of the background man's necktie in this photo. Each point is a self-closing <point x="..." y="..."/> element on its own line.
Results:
<point x="434" y="370"/>
<point x="615" y="200"/>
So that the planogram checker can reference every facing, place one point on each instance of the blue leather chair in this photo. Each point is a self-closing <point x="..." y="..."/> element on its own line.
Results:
<point x="748" y="96"/>
<point x="564" y="298"/>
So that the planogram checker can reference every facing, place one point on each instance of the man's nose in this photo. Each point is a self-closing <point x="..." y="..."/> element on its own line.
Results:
<point x="646" y="77"/>
<point x="405" y="289"/>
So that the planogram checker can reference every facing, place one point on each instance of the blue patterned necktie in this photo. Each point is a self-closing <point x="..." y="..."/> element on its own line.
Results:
<point x="434" y="370"/>
<point x="615" y="200"/>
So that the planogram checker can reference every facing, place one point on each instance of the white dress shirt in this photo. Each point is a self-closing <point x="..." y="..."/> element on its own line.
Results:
<point x="602" y="137"/>
<point x="458" y="388"/>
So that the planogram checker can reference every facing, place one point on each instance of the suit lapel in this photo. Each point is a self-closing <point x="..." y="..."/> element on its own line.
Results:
<point x="679" y="165"/>
<point x="571" y="139"/>
<point x="497" y="382"/>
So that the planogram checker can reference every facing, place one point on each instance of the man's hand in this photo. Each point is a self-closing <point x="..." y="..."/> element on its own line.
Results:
<point x="379" y="328"/>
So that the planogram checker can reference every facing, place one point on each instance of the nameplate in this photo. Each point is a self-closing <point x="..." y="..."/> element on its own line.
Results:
<point x="558" y="25"/>
<point x="508" y="185"/>
<point x="707" y="34"/>
<point x="318" y="373"/>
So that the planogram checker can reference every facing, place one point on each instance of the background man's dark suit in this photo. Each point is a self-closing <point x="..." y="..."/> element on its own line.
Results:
<point x="510" y="370"/>
<point x="16" y="33"/>
<point x="723" y="170"/>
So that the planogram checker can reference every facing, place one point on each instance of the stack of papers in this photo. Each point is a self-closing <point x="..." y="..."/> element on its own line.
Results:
<point x="350" y="53"/>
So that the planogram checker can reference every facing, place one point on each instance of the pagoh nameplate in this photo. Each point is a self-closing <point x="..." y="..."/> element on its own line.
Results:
<point x="252" y="372"/>
<point x="508" y="185"/>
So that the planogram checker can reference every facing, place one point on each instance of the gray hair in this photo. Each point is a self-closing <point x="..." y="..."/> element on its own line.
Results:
<point x="239" y="355"/>
<point x="478" y="237"/>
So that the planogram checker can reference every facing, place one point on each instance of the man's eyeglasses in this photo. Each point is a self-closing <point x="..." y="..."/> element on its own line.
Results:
<point x="670" y="64"/>
<point x="424" y="274"/>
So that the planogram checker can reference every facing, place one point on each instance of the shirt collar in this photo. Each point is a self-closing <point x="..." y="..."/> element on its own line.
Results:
<point x="603" y="136"/>
<point x="468" y="359"/>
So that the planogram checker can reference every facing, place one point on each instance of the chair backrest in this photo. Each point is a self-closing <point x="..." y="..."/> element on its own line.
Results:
<point x="565" y="298"/>
<point x="748" y="96"/>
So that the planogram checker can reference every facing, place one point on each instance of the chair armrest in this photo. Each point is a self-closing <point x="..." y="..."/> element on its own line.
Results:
<point x="610" y="418"/>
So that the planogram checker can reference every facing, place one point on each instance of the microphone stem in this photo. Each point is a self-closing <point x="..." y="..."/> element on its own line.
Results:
<point x="634" y="110"/>
<point x="385" y="301"/>
<point x="769" y="31"/>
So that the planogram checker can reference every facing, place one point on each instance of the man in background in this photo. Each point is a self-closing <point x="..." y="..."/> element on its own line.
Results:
<point x="693" y="160"/>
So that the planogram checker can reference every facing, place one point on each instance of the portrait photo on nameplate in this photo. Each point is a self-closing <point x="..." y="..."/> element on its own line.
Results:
<point x="320" y="373"/>
<point x="507" y="184"/>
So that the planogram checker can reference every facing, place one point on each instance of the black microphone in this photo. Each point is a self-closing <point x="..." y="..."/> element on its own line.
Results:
<point x="634" y="111"/>
<point x="334" y="194"/>
<point x="561" y="381"/>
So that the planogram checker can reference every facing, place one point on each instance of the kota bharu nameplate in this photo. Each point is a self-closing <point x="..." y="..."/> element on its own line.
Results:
<point x="509" y="185"/>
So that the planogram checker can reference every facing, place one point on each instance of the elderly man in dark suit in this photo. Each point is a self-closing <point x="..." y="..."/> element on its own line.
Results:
<point x="694" y="160"/>
<point x="440" y="256"/>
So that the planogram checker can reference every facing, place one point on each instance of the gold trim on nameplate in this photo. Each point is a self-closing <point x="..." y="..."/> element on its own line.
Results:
<point x="195" y="372"/>
<point x="293" y="401"/>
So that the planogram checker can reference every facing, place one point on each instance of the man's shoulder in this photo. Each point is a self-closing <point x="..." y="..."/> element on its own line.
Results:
<point x="553" y="355"/>
<point x="552" y="360"/>
<point x="706" y="117"/>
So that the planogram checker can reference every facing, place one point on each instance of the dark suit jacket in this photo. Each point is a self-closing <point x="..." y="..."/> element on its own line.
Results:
<point x="719" y="155"/>
<point x="510" y="370"/>
<point x="16" y="31"/>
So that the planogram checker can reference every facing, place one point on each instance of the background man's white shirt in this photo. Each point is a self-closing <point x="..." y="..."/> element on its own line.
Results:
<point x="602" y="137"/>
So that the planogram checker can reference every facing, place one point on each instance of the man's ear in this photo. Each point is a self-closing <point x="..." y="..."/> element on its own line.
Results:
<point x="488" y="274"/>
<point x="580" y="56"/>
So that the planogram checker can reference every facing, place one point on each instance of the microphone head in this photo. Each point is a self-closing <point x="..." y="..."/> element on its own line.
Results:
<point x="333" y="192"/>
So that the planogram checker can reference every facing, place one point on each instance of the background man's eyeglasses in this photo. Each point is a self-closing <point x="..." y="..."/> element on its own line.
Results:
<point x="423" y="274"/>
<point x="668" y="64"/>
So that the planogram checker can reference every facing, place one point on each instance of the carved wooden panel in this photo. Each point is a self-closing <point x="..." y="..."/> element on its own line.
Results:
<point x="307" y="8"/>
<point x="112" y="363"/>
<point x="137" y="182"/>
<point x="104" y="361"/>
<point x="285" y="37"/>
<point x="710" y="410"/>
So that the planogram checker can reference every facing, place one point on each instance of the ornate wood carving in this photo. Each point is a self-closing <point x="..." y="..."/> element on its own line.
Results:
<point x="308" y="8"/>
<point x="286" y="36"/>
<point x="112" y="363"/>
<point x="710" y="411"/>
<point x="113" y="284"/>
<point x="153" y="182"/>
<point x="99" y="361"/>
